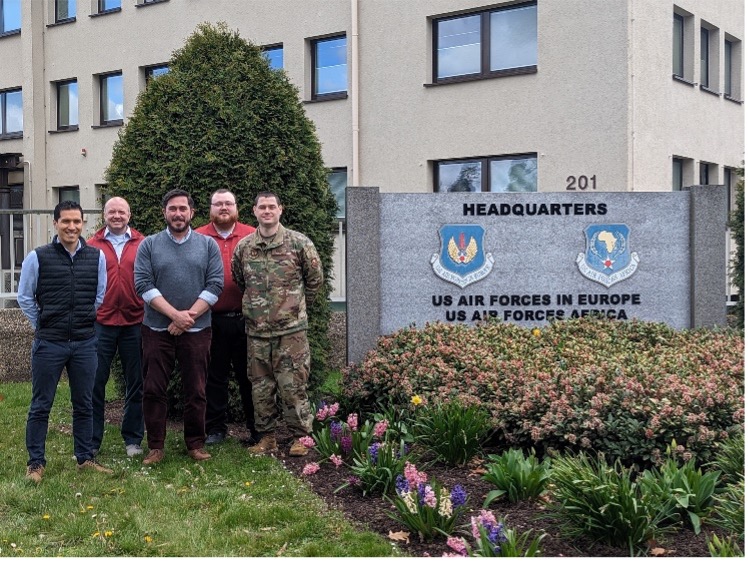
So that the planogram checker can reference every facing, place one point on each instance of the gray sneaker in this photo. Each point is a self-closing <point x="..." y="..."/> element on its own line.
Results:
<point x="133" y="450"/>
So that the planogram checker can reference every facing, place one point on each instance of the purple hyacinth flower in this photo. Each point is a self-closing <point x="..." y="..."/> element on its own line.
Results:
<point x="346" y="444"/>
<point x="401" y="485"/>
<point x="336" y="428"/>
<point x="458" y="496"/>
<point x="374" y="452"/>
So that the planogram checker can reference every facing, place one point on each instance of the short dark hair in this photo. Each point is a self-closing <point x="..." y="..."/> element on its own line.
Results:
<point x="268" y="194"/>
<point x="177" y="193"/>
<point x="66" y="206"/>
<point x="220" y="191"/>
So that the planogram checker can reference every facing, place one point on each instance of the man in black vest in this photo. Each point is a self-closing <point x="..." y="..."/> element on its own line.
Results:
<point x="62" y="285"/>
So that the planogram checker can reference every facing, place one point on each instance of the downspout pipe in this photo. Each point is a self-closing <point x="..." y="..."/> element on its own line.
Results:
<point x="355" y="175"/>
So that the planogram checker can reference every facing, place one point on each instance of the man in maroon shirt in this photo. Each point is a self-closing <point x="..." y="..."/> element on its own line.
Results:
<point x="229" y="341"/>
<point x="118" y="325"/>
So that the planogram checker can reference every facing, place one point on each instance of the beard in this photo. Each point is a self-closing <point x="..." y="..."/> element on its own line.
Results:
<point x="224" y="221"/>
<point x="182" y="227"/>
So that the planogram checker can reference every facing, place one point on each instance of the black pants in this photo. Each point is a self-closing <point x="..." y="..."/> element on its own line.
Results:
<point x="228" y="351"/>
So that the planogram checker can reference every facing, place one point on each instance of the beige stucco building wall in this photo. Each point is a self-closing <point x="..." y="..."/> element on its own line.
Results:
<point x="602" y="103"/>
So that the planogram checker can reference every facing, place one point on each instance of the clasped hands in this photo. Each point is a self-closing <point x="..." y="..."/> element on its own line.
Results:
<point x="182" y="321"/>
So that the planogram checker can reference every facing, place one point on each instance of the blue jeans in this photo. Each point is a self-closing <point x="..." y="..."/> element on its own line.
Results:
<point x="48" y="358"/>
<point x="126" y="341"/>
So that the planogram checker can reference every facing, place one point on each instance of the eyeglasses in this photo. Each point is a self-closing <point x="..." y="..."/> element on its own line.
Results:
<point x="223" y="204"/>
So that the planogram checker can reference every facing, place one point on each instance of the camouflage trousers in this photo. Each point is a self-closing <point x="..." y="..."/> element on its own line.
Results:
<point x="279" y="367"/>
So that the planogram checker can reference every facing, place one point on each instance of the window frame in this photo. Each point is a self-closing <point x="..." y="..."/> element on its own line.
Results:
<point x="274" y="47"/>
<point x="680" y="163"/>
<point x="15" y="30"/>
<point x="68" y="18"/>
<point x="109" y="122"/>
<point x="68" y="127"/>
<point x="485" y="169"/>
<point x="314" y="43"/>
<point x="68" y="189"/>
<point x="485" y="47"/>
<point x="704" y="54"/>
<point x="148" y="71"/>
<point x="680" y="48"/>
<point x="4" y="134"/>
<point x="339" y="170"/>
<point x="101" y="10"/>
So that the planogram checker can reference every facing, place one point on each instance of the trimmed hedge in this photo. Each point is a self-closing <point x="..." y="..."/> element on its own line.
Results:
<point x="627" y="389"/>
<point x="222" y="118"/>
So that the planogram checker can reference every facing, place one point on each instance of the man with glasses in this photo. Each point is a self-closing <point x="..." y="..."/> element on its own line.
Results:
<point x="228" y="348"/>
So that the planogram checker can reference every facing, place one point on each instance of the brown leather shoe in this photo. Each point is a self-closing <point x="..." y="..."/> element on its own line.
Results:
<point x="199" y="454"/>
<point x="34" y="472"/>
<point x="92" y="464"/>
<point x="267" y="444"/>
<point x="154" y="456"/>
<point x="297" y="449"/>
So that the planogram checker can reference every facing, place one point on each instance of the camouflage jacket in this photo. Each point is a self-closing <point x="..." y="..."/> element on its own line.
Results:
<point x="278" y="279"/>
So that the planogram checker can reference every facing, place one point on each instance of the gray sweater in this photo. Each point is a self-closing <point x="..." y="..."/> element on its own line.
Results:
<point x="180" y="272"/>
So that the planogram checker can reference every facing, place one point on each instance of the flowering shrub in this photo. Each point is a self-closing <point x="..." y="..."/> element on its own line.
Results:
<point x="625" y="388"/>
<point x="426" y="508"/>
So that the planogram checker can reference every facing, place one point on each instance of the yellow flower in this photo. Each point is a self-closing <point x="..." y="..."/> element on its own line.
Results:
<point x="148" y="538"/>
<point x="45" y="516"/>
<point x="89" y="507"/>
<point x="248" y="483"/>
<point x="416" y="400"/>
<point x="108" y="533"/>
<point x="536" y="332"/>
<point x="96" y="534"/>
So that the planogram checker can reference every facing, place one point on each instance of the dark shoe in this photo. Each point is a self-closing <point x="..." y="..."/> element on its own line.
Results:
<point x="267" y="444"/>
<point x="215" y="438"/>
<point x="199" y="454"/>
<point x="34" y="472"/>
<point x="154" y="456"/>
<point x="92" y="464"/>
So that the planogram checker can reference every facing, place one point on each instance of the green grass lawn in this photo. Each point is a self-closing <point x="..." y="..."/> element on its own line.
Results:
<point x="231" y="505"/>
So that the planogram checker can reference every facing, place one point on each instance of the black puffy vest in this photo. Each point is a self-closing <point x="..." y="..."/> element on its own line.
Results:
<point x="66" y="292"/>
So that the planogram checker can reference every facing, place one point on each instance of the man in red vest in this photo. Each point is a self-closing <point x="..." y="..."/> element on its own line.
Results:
<point x="118" y="325"/>
<point x="229" y="341"/>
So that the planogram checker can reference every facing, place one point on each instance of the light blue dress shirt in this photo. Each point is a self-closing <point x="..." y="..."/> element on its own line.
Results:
<point x="30" y="277"/>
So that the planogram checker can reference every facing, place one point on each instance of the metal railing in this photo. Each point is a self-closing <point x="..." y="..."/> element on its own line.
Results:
<point x="17" y="240"/>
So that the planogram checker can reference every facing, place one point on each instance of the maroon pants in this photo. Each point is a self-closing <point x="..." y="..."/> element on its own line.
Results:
<point x="160" y="352"/>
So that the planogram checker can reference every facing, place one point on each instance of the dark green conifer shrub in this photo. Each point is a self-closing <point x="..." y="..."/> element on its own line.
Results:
<point x="222" y="118"/>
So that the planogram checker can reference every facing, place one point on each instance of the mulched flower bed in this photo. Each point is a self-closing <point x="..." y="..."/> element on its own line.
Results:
<point x="372" y="512"/>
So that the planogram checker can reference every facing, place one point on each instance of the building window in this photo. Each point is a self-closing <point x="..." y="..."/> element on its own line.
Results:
<point x="155" y="71"/>
<point x="707" y="172"/>
<point x="274" y="54"/>
<point x="733" y="66"/>
<point x="329" y="60"/>
<point x="68" y="193"/>
<point x="679" y="30"/>
<point x="485" y="44"/>
<point x="111" y="99"/>
<point x="109" y="5"/>
<point x="705" y="57"/>
<point x="677" y="174"/>
<point x="338" y="181"/>
<point x="10" y="16"/>
<point x="67" y="105"/>
<point x="11" y="113"/>
<point x="496" y="174"/>
<point x="64" y="10"/>
<point x="729" y="184"/>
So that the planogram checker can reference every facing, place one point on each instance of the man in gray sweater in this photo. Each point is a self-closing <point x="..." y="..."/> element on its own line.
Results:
<point x="179" y="276"/>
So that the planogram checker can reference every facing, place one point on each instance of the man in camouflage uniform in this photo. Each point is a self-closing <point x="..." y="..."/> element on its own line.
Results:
<point x="279" y="273"/>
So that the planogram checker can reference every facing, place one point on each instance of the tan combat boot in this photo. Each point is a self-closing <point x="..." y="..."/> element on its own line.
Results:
<point x="297" y="449"/>
<point x="266" y="445"/>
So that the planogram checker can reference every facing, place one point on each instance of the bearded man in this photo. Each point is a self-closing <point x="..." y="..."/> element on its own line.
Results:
<point x="228" y="347"/>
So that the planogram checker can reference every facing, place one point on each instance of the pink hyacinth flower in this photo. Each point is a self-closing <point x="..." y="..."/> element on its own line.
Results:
<point x="307" y="441"/>
<point x="353" y="422"/>
<point x="336" y="460"/>
<point x="380" y="428"/>
<point x="458" y="545"/>
<point x="413" y="476"/>
<point x="310" y="469"/>
<point x="334" y="409"/>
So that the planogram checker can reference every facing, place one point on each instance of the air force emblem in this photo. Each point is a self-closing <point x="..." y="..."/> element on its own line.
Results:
<point x="608" y="258"/>
<point x="462" y="259"/>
